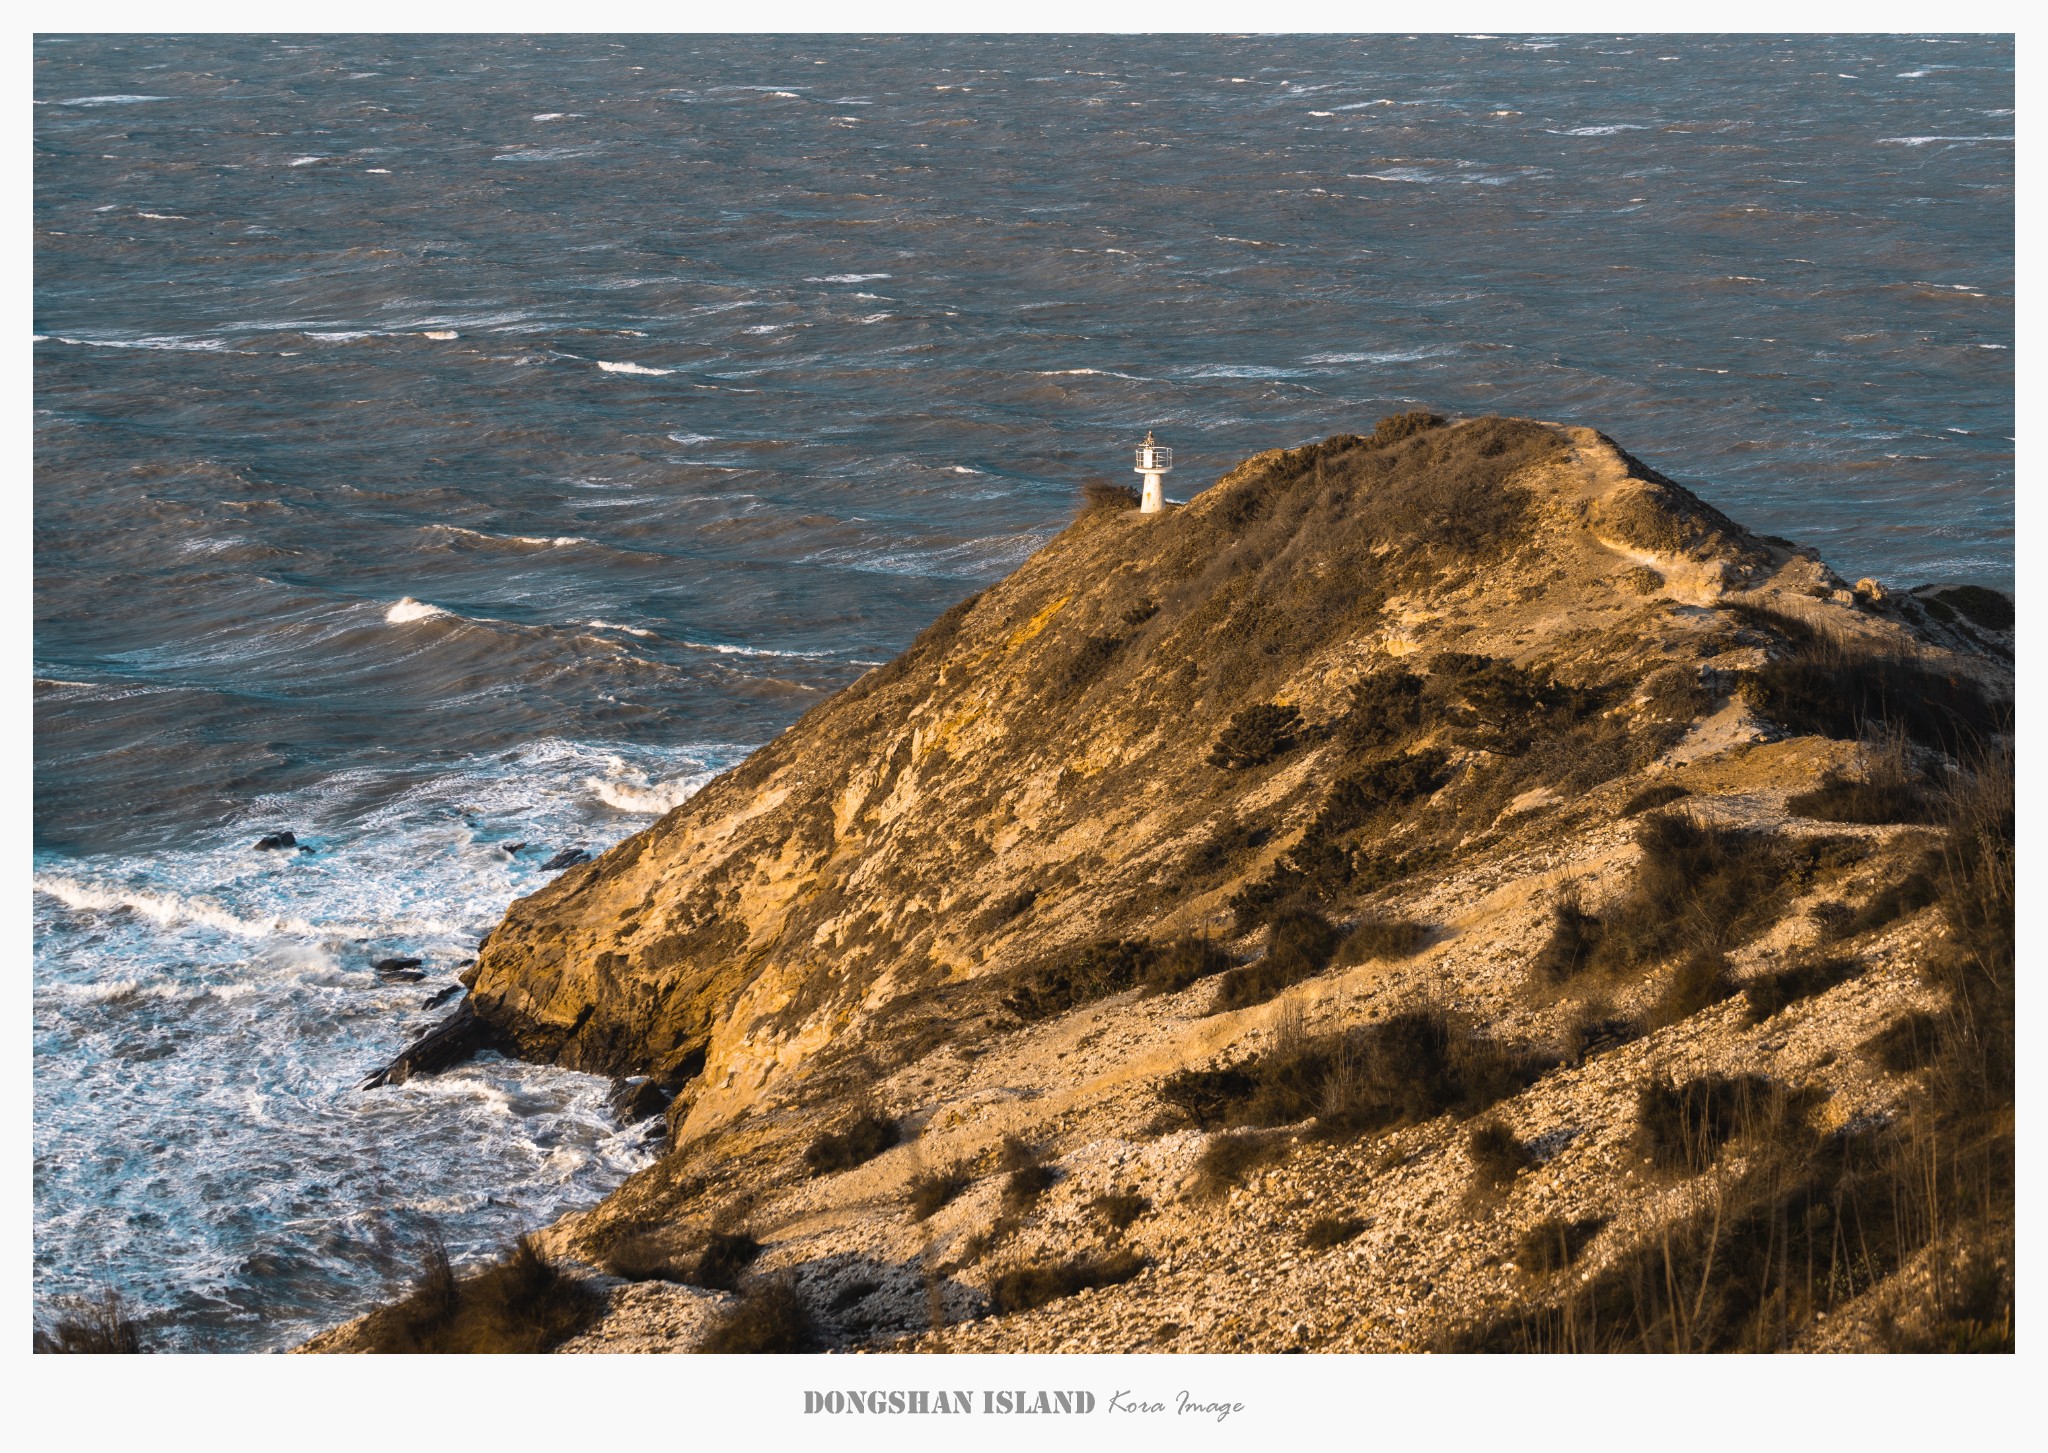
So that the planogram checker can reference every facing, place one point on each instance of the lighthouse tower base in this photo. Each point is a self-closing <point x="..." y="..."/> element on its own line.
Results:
<point x="1154" y="498"/>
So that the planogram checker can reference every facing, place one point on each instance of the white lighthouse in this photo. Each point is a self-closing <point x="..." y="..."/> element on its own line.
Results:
<point x="1155" y="464"/>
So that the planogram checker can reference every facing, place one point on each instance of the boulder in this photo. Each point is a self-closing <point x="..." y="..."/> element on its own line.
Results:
<point x="566" y="858"/>
<point x="637" y="1099"/>
<point x="441" y="996"/>
<point x="272" y="841"/>
<point x="450" y="1042"/>
<point x="399" y="970"/>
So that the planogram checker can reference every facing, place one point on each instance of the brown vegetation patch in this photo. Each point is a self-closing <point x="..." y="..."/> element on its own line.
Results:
<point x="1034" y="1284"/>
<point x="869" y="1134"/>
<point x="769" y="1317"/>
<point x="521" y="1303"/>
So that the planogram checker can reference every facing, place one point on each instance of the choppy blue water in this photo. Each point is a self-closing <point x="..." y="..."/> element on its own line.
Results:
<point x="444" y="443"/>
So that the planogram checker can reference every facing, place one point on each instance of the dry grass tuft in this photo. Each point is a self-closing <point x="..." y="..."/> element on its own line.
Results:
<point x="931" y="1189"/>
<point x="869" y="1134"/>
<point x="1227" y="1159"/>
<point x="521" y="1303"/>
<point x="769" y="1317"/>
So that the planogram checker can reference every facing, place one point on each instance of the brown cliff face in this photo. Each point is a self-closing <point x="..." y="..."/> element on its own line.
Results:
<point x="1035" y="772"/>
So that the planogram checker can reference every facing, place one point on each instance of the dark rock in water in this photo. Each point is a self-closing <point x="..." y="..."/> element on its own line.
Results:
<point x="511" y="850"/>
<point x="307" y="848"/>
<point x="448" y="1043"/>
<point x="441" y="996"/>
<point x="566" y="858"/>
<point x="399" y="970"/>
<point x="273" y="840"/>
<point x="637" y="1099"/>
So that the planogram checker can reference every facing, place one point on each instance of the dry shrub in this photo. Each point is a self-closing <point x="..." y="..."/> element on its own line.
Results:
<point x="1023" y="1186"/>
<point x="1445" y="489"/>
<point x="1574" y="935"/>
<point x="867" y="1136"/>
<point x="1980" y="606"/>
<point x="90" y="1324"/>
<point x="520" y="1303"/>
<point x="726" y="1254"/>
<point x="1227" y="1159"/>
<point x="1120" y="1208"/>
<point x="1103" y="494"/>
<point x="1698" y="981"/>
<point x="1410" y="1067"/>
<point x="1396" y="427"/>
<point x="1257" y="735"/>
<point x="1108" y="966"/>
<point x="1034" y="1284"/>
<point x="1182" y="962"/>
<point x="1386" y="708"/>
<point x="1496" y="1154"/>
<point x="1698" y="888"/>
<point x="1593" y="1028"/>
<point x="1299" y="945"/>
<point x="931" y="1189"/>
<point x="768" y="1317"/>
<point x="1385" y="938"/>
<point x="1027" y="1175"/>
<point x="1836" y="687"/>
<point x="1682" y="1126"/>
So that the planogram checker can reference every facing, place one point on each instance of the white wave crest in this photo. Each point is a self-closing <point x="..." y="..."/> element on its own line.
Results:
<point x="1929" y="140"/>
<point x="170" y="910"/>
<point x="536" y="541"/>
<point x="641" y="368"/>
<point x="629" y="790"/>
<point x="409" y="609"/>
<point x="850" y="277"/>
<point x="757" y="651"/>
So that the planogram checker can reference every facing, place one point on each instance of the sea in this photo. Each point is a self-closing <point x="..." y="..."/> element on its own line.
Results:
<point x="454" y="450"/>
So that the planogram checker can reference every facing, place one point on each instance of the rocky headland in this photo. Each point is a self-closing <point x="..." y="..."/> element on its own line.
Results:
<point x="1446" y="888"/>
